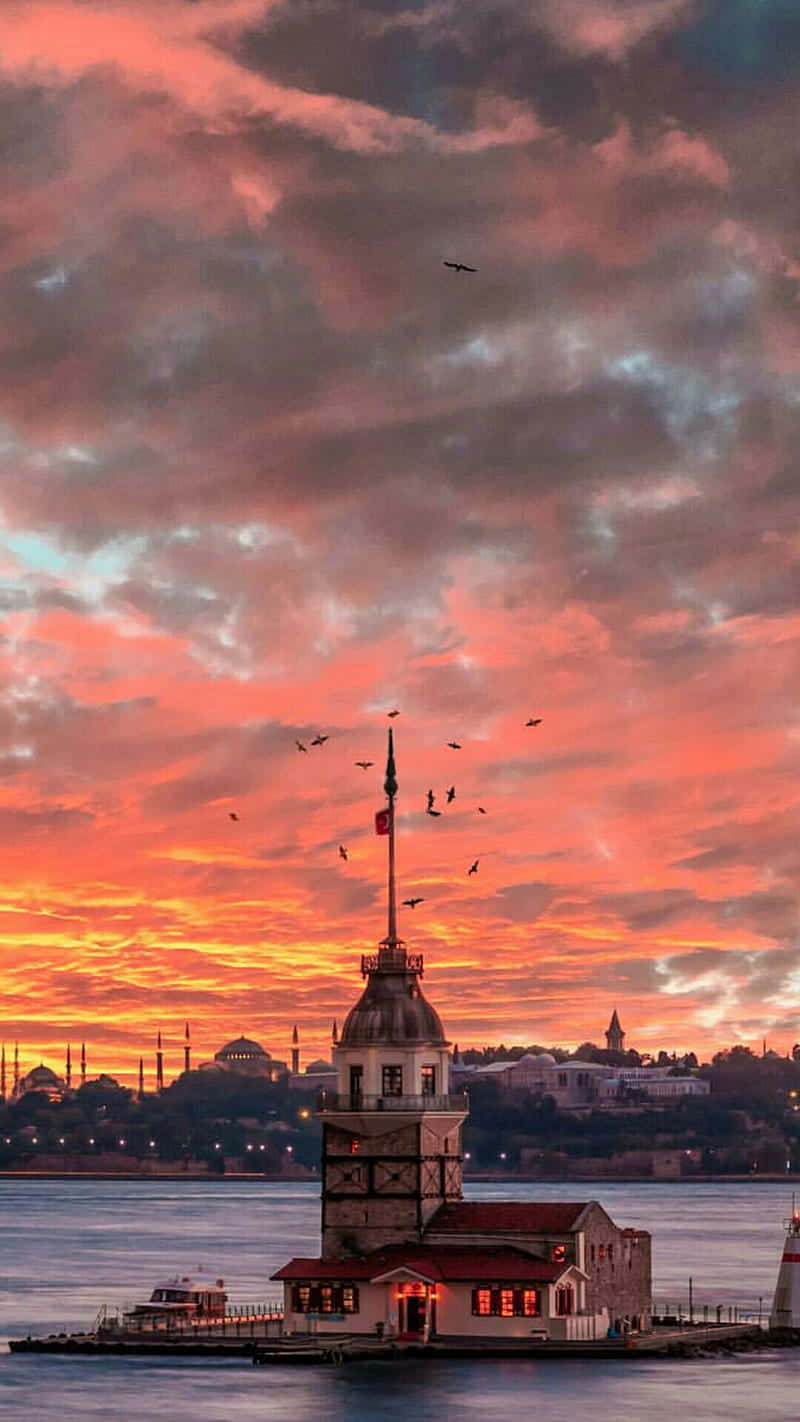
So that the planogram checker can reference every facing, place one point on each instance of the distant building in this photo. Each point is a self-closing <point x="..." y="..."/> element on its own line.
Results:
<point x="319" y="1075"/>
<point x="576" y="1085"/>
<point x="244" y="1057"/>
<point x="615" y="1037"/>
<point x="44" y="1080"/>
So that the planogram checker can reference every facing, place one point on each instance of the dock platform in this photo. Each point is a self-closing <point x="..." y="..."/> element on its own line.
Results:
<point x="266" y="1350"/>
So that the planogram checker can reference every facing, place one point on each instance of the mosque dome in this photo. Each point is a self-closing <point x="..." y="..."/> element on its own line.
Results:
<point x="392" y="1009"/>
<point x="42" y="1077"/>
<point x="242" y="1050"/>
<point x="540" y="1058"/>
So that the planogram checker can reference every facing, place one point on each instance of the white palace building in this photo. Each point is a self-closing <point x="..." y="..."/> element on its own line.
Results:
<point x="403" y="1254"/>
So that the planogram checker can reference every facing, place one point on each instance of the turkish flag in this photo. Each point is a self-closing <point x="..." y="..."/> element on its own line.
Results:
<point x="382" y="822"/>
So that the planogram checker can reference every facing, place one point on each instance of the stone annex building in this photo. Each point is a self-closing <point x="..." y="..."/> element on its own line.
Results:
<point x="403" y="1254"/>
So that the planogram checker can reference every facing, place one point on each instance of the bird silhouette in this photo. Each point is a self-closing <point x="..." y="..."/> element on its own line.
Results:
<point x="481" y="810"/>
<point x="301" y="747"/>
<point x="320" y="740"/>
<point x="431" y="798"/>
<point x="365" y="764"/>
<point x="434" y="813"/>
<point x="459" y="266"/>
<point x="473" y="868"/>
<point x="534" y="721"/>
<point x="392" y="713"/>
<point x="454" y="745"/>
<point x="412" y="903"/>
<point x="232" y="815"/>
<point x="342" y="852"/>
<point x="451" y="794"/>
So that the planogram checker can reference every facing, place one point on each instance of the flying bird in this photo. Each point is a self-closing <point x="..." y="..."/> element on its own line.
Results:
<point x="365" y="764"/>
<point x="454" y="745"/>
<point x="301" y="747"/>
<point x="342" y="853"/>
<point x="459" y="266"/>
<point x="232" y="815"/>
<point x="412" y="903"/>
<point x="320" y="740"/>
<point x="451" y="794"/>
<point x="392" y="713"/>
<point x="431" y="798"/>
<point x="434" y="813"/>
<point x="473" y="868"/>
<point x="534" y="721"/>
<point x="481" y="810"/>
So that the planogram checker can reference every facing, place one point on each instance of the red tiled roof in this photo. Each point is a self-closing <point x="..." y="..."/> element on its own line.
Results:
<point x="520" y="1216"/>
<point x="436" y="1264"/>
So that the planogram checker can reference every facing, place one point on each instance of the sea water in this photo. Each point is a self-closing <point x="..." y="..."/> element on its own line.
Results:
<point x="67" y="1247"/>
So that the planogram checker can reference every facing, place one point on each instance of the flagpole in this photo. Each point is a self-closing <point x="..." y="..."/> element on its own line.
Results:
<point x="390" y="786"/>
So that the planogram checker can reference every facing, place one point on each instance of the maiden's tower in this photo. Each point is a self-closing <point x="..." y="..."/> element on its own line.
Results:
<point x="402" y="1253"/>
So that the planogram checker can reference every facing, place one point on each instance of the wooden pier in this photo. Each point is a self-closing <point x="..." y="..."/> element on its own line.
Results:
<point x="265" y="1347"/>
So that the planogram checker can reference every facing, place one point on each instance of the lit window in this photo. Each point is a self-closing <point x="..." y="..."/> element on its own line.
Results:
<point x="506" y="1303"/>
<point x="429" y="1081"/>
<point x="482" y="1302"/>
<point x="601" y="1252"/>
<point x="354" y="1145"/>
<point x="302" y="1299"/>
<point x="326" y="1299"/>
<point x="349" y="1299"/>
<point x="530" y="1303"/>
<point x="558" y="1253"/>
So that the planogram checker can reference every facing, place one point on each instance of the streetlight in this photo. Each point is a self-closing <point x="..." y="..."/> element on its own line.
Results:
<point x="122" y="1142"/>
<point x="262" y="1147"/>
<point x="91" y="1140"/>
<point x="217" y="1145"/>
<point x="249" y="1147"/>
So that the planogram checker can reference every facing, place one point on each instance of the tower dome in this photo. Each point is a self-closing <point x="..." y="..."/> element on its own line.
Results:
<point x="392" y="1010"/>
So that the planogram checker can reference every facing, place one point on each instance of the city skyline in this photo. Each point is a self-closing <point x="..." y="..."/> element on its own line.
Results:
<point x="271" y="469"/>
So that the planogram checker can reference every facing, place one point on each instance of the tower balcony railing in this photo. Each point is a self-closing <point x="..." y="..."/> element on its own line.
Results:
<point x="392" y="958"/>
<point x="358" y="1101"/>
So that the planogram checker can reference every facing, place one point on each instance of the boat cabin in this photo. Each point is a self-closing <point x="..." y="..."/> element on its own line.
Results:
<point x="184" y="1298"/>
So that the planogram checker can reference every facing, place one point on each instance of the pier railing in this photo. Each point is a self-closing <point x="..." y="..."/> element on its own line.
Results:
<point x="338" y="1101"/>
<point x="245" y="1321"/>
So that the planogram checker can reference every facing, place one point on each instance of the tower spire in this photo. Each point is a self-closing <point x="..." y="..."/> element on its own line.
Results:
<point x="187" y="1050"/>
<point x="3" y="1073"/>
<point x="83" y="1063"/>
<point x="68" y="1076"/>
<point x="16" y="1069"/>
<point x="159" y="1065"/>
<point x="295" y="1051"/>
<point x="390" y="787"/>
<point x="141" y="1078"/>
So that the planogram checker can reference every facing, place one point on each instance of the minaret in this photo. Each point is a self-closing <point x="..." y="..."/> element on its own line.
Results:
<point x="3" y="1072"/>
<point x="159" y="1065"/>
<point x="615" y="1037"/>
<point x="15" y="1092"/>
<point x="295" y="1052"/>
<point x="334" y="1034"/>
<point x="187" y="1050"/>
<point x="391" y="1147"/>
<point x="83" y="1063"/>
<point x="141" y="1078"/>
<point x="68" y="1072"/>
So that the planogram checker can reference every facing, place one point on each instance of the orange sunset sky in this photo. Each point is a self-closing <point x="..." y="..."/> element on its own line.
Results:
<point x="268" y="469"/>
